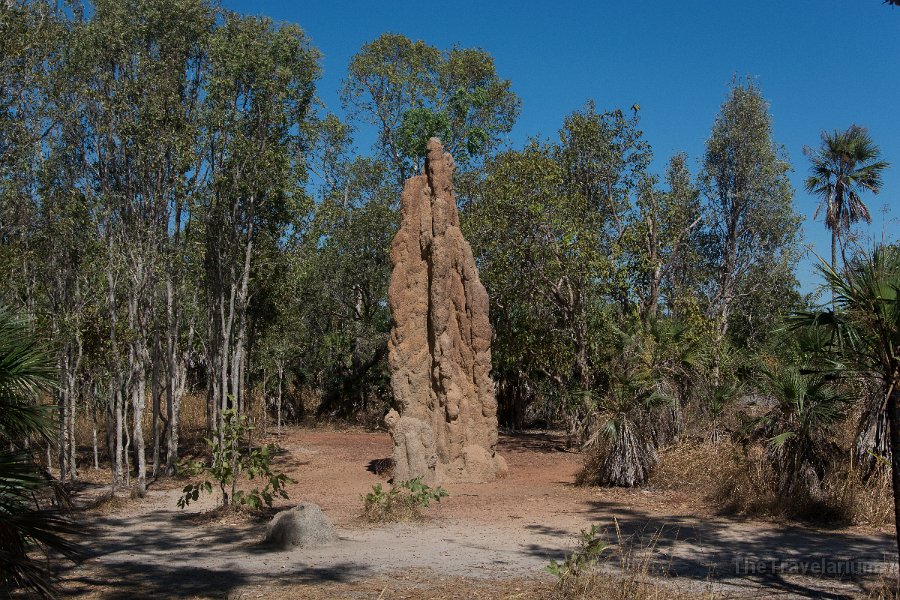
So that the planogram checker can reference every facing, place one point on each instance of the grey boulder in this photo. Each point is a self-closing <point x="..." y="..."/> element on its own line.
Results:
<point x="305" y="526"/>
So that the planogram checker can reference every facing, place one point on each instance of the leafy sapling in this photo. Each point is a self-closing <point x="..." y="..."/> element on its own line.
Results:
<point x="231" y="458"/>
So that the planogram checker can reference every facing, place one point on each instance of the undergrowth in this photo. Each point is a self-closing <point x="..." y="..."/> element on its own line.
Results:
<point x="403" y="502"/>
<point x="615" y="570"/>
<point x="738" y="479"/>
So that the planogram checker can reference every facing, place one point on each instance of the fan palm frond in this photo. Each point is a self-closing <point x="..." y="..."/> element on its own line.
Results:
<point x="28" y="518"/>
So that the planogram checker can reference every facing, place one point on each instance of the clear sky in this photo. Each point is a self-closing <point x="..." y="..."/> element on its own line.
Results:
<point x="822" y="64"/>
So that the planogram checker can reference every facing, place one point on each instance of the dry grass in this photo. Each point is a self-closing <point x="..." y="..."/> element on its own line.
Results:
<point x="862" y="502"/>
<point x="427" y="585"/>
<point x="628" y="586"/>
<point x="415" y="584"/>
<point x="739" y="480"/>
<point x="621" y="570"/>
<point x="885" y="589"/>
<point x="694" y="466"/>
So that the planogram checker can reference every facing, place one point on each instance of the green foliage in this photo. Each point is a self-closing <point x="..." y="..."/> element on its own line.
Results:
<point x="862" y="334"/>
<point x="403" y="501"/>
<point x="846" y="164"/>
<point x="799" y="428"/>
<point x="751" y="226"/>
<point x="28" y="520"/>
<point x="411" y="91"/>
<point x="417" y="127"/>
<point x="586" y="555"/>
<point x="232" y="460"/>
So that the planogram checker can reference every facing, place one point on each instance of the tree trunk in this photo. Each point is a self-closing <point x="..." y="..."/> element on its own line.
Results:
<point x="155" y="402"/>
<point x="94" y="428"/>
<point x="171" y="377"/>
<point x="893" y="408"/>
<point x="280" y="383"/>
<point x="834" y="236"/>
<point x="73" y="446"/>
<point x="118" y="463"/>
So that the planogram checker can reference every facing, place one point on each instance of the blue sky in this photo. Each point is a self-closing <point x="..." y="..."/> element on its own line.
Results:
<point x="822" y="64"/>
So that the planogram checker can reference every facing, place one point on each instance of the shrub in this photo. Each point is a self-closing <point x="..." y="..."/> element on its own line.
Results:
<point x="582" y="559"/>
<point x="231" y="458"/>
<point x="402" y="502"/>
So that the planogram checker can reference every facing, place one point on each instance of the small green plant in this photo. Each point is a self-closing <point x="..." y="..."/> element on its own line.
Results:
<point x="232" y="457"/>
<point x="401" y="502"/>
<point x="590" y="546"/>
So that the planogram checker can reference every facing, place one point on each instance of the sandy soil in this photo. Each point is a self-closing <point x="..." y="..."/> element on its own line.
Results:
<point x="487" y="540"/>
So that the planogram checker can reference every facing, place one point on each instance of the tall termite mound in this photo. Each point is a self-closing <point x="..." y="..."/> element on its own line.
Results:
<point x="439" y="353"/>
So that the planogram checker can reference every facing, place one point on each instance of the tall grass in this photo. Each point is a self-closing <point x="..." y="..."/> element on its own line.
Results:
<point x="738" y="479"/>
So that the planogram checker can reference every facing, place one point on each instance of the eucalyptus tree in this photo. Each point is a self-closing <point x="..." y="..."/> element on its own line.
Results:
<point x="38" y="252"/>
<point x="348" y="279"/>
<point x="665" y="233"/>
<point x="530" y="269"/>
<point x="558" y="274"/>
<point x="750" y="225"/>
<point x="141" y="64"/>
<point x="845" y="165"/>
<point x="410" y="91"/>
<point x="261" y="80"/>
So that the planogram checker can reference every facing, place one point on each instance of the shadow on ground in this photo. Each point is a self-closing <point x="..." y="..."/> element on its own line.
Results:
<point x="165" y="555"/>
<point x="740" y="555"/>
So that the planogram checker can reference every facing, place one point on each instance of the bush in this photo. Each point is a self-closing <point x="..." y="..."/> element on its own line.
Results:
<point x="402" y="502"/>
<point x="581" y="560"/>
<point x="231" y="458"/>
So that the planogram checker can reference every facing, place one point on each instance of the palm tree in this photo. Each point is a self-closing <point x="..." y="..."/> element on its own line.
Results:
<point x="846" y="164"/>
<point x="807" y="406"/>
<point x="28" y="518"/>
<point x="863" y="335"/>
<point x="646" y="362"/>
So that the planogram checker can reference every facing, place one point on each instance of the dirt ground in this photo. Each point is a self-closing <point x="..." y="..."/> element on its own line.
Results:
<point x="483" y="541"/>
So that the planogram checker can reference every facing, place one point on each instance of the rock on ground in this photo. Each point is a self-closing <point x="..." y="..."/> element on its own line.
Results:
<point x="439" y="352"/>
<point x="305" y="525"/>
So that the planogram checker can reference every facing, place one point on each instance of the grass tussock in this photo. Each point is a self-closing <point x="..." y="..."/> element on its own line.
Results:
<point x="740" y="480"/>
<point x="106" y="504"/>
